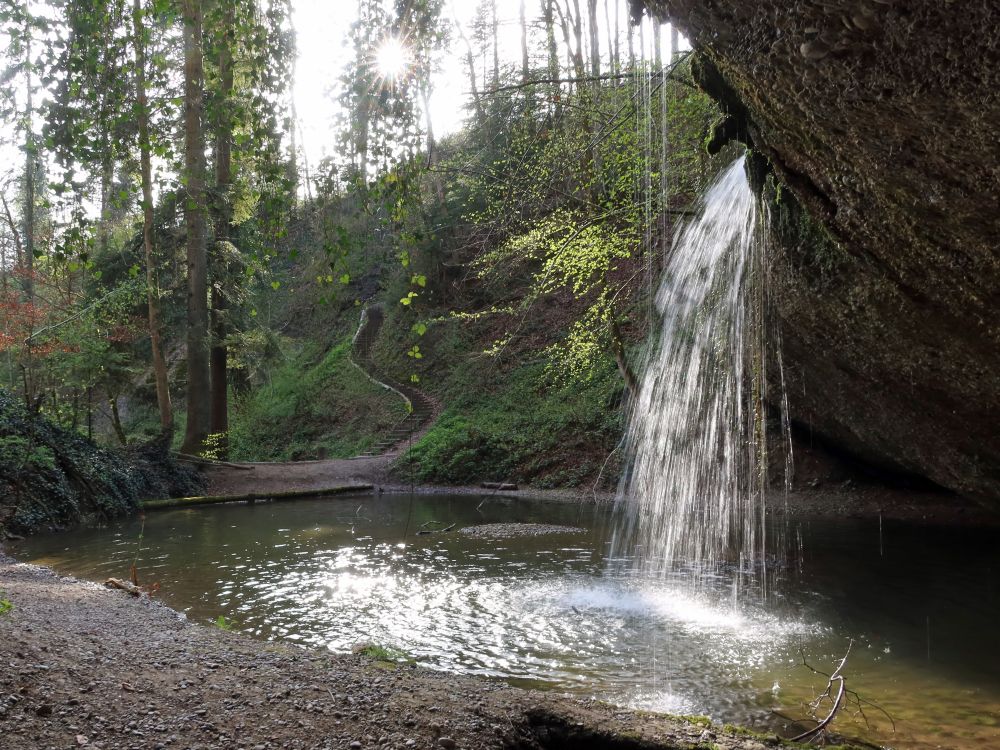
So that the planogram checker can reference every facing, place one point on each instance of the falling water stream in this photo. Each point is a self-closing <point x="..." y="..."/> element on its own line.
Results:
<point x="693" y="495"/>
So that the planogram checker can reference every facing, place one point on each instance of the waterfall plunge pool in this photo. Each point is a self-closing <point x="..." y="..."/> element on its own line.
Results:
<point x="921" y="603"/>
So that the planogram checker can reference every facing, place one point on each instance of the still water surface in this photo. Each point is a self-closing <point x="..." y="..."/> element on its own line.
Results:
<point x="921" y="604"/>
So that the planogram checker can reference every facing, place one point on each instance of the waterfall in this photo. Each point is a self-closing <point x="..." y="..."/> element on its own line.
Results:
<point x="692" y="497"/>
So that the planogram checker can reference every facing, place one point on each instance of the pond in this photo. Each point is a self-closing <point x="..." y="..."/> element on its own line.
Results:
<point x="921" y="605"/>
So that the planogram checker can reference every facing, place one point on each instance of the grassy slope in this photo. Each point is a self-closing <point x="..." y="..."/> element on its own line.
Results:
<point x="317" y="404"/>
<point x="504" y="417"/>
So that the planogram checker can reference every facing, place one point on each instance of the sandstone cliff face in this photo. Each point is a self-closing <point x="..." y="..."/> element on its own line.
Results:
<point x="882" y="117"/>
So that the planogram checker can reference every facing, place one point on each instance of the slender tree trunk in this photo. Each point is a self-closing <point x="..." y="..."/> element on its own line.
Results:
<point x="107" y="178"/>
<point x="621" y="360"/>
<point x="495" y="26"/>
<point x="219" y="355"/>
<point x="578" y="36"/>
<point x="548" y="13"/>
<point x="525" y="64"/>
<point x="3" y="267"/>
<point x="29" y="169"/>
<point x="470" y="61"/>
<point x="675" y="43"/>
<point x="631" y="48"/>
<point x="293" y="151"/>
<point x="198" y="393"/>
<point x="145" y="170"/>
<point x="595" y="42"/>
<point x="595" y="93"/>
<point x="436" y="181"/>
<point x="657" y="46"/>
<point x="571" y="30"/>
<point x="116" y="420"/>
<point x="613" y="43"/>
<point x="15" y="234"/>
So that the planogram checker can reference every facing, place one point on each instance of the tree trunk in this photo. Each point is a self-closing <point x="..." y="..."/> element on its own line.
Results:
<point x="15" y="234"/>
<point x="436" y="181"/>
<point x="631" y="47"/>
<point x="578" y="36"/>
<point x="145" y="169"/>
<point x="116" y="420"/>
<point x="525" y="64"/>
<point x="495" y="24"/>
<point x="657" y="46"/>
<point x="470" y="61"/>
<point x="595" y="43"/>
<point x="29" y="169"/>
<point x="107" y="177"/>
<point x="570" y="30"/>
<point x="621" y="360"/>
<point x="548" y="13"/>
<point x="198" y="394"/>
<point x="595" y="93"/>
<point x="219" y="356"/>
<point x="612" y="38"/>
<point x="293" y="150"/>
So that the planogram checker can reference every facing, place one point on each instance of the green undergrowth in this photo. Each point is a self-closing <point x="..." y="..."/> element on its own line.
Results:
<point x="53" y="477"/>
<point x="315" y="404"/>
<point x="510" y="418"/>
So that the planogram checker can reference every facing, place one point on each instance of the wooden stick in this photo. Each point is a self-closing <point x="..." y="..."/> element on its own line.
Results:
<point x="184" y="502"/>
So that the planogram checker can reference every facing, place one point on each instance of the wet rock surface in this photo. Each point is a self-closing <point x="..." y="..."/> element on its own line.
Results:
<point x="879" y="119"/>
<point x="83" y="666"/>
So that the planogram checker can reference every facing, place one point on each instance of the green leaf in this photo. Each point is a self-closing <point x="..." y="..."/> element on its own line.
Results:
<point x="414" y="378"/>
<point x="345" y="279"/>
<point x="419" y="280"/>
<point x="133" y="271"/>
<point x="419" y="328"/>
<point x="275" y="284"/>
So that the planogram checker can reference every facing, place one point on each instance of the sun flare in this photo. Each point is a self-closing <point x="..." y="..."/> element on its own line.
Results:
<point x="391" y="58"/>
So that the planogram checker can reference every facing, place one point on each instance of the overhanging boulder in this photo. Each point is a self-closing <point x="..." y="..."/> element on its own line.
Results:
<point x="882" y="117"/>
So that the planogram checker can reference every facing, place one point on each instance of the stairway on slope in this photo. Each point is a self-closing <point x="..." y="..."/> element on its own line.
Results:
<point x="422" y="408"/>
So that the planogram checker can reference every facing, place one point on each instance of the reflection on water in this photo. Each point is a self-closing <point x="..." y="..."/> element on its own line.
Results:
<point x="545" y="611"/>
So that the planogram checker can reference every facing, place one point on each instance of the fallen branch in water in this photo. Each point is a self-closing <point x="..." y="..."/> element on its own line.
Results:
<point x="423" y="532"/>
<point x="179" y="502"/>
<point x="838" y="695"/>
<point x="126" y="586"/>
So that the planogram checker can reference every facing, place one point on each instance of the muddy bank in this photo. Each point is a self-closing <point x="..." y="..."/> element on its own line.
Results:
<point x="90" y="667"/>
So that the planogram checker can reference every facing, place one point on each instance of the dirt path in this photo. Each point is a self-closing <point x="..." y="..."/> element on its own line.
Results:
<point x="296" y="475"/>
<point x="372" y="468"/>
<point x="87" y="667"/>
